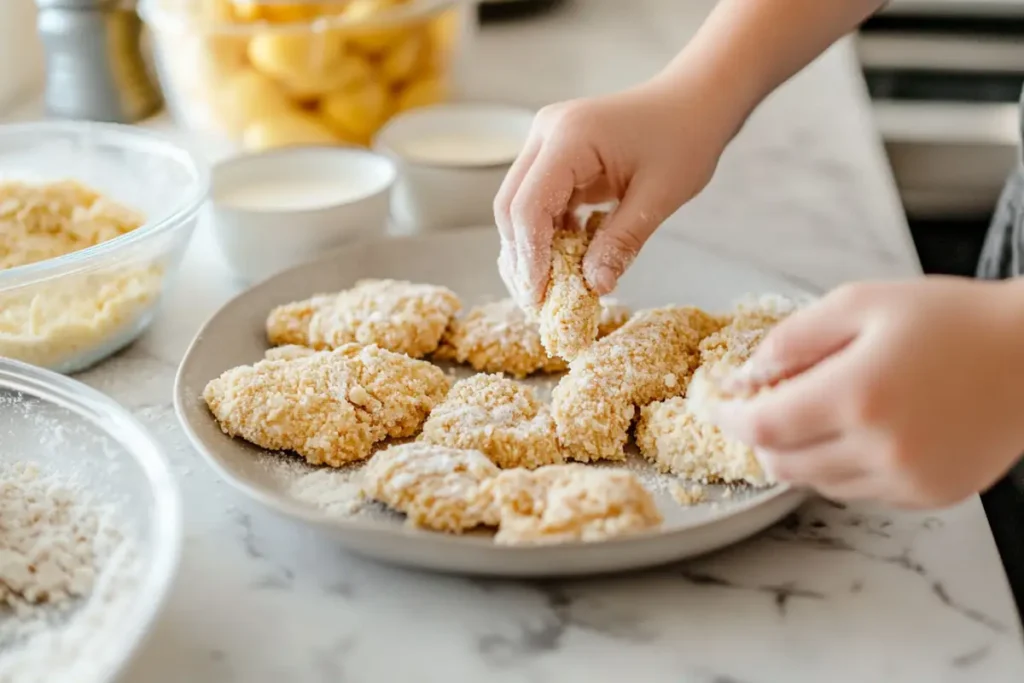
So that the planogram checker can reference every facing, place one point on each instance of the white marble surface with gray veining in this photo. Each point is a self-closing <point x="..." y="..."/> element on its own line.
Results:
<point x="835" y="593"/>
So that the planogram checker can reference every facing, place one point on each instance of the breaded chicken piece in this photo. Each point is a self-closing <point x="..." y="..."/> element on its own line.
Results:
<point x="726" y="351"/>
<point x="499" y="417"/>
<point x="676" y="435"/>
<point x="675" y="441"/>
<point x="288" y="352"/>
<point x="395" y="315"/>
<point x="289" y="324"/>
<point x="564" y="503"/>
<point x="613" y="316"/>
<point x="499" y="337"/>
<point x="436" y="487"/>
<point x="650" y="358"/>
<point x="570" y="312"/>
<point x="329" y="407"/>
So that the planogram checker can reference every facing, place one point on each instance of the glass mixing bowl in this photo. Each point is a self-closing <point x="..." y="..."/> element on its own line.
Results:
<point x="69" y="312"/>
<point x="88" y="441"/>
<point x="301" y="72"/>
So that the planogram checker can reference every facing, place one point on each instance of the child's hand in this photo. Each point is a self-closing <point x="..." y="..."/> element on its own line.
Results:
<point x="649" y="148"/>
<point x="911" y="393"/>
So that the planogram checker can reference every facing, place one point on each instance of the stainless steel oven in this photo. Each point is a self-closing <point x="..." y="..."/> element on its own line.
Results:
<point x="945" y="77"/>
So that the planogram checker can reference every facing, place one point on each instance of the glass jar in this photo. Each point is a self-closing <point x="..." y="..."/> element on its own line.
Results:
<point x="273" y="74"/>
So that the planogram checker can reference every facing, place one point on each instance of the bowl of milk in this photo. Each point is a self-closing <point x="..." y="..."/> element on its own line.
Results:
<point x="273" y="210"/>
<point x="452" y="159"/>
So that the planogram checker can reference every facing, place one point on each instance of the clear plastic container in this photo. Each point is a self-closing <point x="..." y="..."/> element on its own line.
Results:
<point x="271" y="74"/>
<point x="80" y="439"/>
<point x="69" y="312"/>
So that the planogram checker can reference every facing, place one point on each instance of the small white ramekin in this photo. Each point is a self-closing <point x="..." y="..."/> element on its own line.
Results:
<point x="443" y="194"/>
<point x="257" y="242"/>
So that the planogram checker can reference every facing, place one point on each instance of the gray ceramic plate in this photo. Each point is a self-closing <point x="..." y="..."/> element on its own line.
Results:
<point x="668" y="271"/>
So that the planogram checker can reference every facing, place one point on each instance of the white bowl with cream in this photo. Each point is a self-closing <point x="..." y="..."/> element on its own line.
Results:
<point x="273" y="210"/>
<point x="452" y="159"/>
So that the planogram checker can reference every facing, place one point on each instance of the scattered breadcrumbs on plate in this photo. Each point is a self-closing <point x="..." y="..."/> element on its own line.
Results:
<point x="688" y="495"/>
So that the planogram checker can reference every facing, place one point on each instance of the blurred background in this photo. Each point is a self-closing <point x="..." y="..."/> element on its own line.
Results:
<point x="944" y="77"/>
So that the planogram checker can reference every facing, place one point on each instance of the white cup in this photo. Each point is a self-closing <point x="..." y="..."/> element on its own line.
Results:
<point x="452" y="159"/>
<point x="273" y="210"/>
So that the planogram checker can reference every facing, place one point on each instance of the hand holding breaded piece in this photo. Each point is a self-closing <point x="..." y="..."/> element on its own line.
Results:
<point x="499" y="417"/>
<point x="675" y="434"/>
<point x="570" y="312"/>
<point x="395" y="315"/>
<point x="727" y="350"/>
<point x="499" y="337"/>
<point x="330" y="407"/>
<point x="676" y="441"/>
<point x="650" y="358"/>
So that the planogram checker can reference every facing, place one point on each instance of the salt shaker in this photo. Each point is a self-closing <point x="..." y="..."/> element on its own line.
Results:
<point x="94" y="64"/>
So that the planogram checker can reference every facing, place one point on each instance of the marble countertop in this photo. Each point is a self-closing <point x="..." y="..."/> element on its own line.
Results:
<point x="836" y="593"/>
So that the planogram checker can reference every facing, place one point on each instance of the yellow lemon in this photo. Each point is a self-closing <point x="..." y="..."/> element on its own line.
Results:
<point x="249" y="96"/>
<point x="401" y="61"/>
<point x="445" y="28"/>
<point x="225" y="53"/>
<point x="285" y="13"/>
<point x="421" y="93"/>
<point x="247" y="10"/>
<point x="443" y="34"/>
<point x="217" y="10"/>
<point x="373" y="39"/>
<point x="308" y="64"/>
<point x="286" y="129"/>
<point x="356" y="113"/>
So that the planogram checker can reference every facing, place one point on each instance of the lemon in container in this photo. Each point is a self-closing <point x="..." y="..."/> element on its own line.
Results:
<point x="274" y="73"/>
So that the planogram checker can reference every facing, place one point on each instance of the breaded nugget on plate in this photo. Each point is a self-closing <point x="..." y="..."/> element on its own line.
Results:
<point x="650" y="358"/>
<point x="288" y="352"/>
<point x="499" y="417"/>
<point x="395" y="315"/>
<point x="613" y="316"/>
<point x="330" y="407"/>
<point x="288" y="324"/>
<point x="676" y="441"/>
<point x="435" y="487"/>
<point x="563" y="503"/>
<point x="499" y="337"/>
<point x="570" y="313"/>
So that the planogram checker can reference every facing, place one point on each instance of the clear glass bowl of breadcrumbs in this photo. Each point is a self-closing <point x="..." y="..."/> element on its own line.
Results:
<point x="89" y="502"/>
<point x="94" y="220"/>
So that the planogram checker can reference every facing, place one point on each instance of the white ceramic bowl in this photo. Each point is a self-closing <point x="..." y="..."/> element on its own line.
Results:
<point x="274" y="210"/>
<point x="77" y="433"/>
<point x="452" y="159"/>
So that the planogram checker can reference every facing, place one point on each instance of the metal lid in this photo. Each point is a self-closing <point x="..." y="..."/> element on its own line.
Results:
<point x="81" y="4"/>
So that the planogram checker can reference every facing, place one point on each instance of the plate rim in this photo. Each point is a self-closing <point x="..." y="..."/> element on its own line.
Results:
<point x="281" y="505"/>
